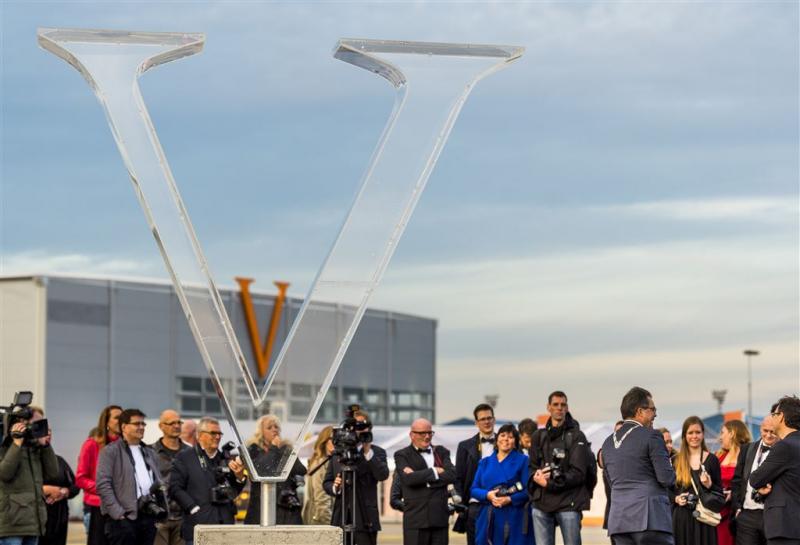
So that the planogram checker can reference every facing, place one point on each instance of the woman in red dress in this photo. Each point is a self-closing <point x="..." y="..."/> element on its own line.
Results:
<point x="733" y="435"/>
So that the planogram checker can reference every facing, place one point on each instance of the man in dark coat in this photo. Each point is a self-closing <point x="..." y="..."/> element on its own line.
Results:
<point x="370" y="469"/>
<point x="193" y="478"/>
<point x="778" y="477"/>
<point x="637" y="465"/>
<point x="469" y="453"/>
<point x="749" y="513"/>
<point x="424" y="473"/>
<point x="167" y="447"/>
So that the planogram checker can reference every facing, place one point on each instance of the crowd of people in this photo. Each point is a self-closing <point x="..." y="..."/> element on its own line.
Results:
<point x="512" y="485"/>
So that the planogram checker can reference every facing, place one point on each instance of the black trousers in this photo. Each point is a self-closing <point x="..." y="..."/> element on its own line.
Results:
<point x="97" y="527"/>
<point x="648" y="537"/>
<point x="363" y="538"/>
<point x="783" y="541"/>
<point x="750" y="527"/>
<point x="472" y="515"/>
<point x="426" y="536"/>
<point x="141" y="531"/>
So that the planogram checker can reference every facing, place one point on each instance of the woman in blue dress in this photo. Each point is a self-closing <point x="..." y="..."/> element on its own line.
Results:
<point x="504" y="518"/>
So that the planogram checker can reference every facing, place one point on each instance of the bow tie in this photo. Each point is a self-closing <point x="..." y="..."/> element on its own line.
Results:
<point x="765" y="449"/>
<point x="424" y="450"/>
<point x="488" y="439"/>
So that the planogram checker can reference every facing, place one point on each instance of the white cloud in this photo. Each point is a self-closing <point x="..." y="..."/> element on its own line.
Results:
<point x="757" y="209"/>
<point x="38" y="262"/>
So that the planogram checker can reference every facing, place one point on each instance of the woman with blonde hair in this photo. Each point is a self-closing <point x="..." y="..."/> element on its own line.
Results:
<point x="318" y="504"/>
<point x="697" y="478"/>
<point x="266" y="450"/>
<point x="733" y="435"/>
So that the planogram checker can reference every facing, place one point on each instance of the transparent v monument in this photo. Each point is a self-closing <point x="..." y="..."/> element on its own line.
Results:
<point x="431" y="82"/>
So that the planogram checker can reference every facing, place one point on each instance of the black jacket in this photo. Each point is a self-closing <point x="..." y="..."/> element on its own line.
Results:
<point x="782" y="505"/>
<point x="396" y="494"/>
<point x="266" y="462"/>
<point x="744" y="464"/>
<point x="58" y="513"/>
<point x="368" y="475"/>
<point x="424" y="496"/>
<point x="165" y="458"/>
<point x="190" y="485"/>
<point x="468" y="455"/>
<point x="568" y="493"/>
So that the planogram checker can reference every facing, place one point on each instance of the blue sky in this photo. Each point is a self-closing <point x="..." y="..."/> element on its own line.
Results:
<point x="619" y="207"/>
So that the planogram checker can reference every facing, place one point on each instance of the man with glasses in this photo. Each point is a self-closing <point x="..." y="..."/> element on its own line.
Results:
<point x="469" y="453"/>
<point x="641" y="476"/>
<point x="748" y="512"/>
<point x="166" y="448"/>
<point x="424" y="473"/>
<point x="559" y="459"/>
<point x="127" y="472"/>
<point x="778" y="477"/>
<point x="196" y="478"/>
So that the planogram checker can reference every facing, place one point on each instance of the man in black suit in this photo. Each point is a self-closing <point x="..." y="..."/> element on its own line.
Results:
<point x="424" y="473"/>
<point x="749" y="513"/>
<point x="778" y="477"/>
<point x="468" y="454"/>
<point x="370" y="469"/>
<point x="193" y="478"/>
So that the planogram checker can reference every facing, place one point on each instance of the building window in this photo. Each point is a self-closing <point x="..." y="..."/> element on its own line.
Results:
<point x="197" y="396"/>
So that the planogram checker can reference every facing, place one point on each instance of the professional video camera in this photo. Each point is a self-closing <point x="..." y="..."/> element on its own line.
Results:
<point x="349" y="435"/>
<point x="154" y="503"/>
<point x="19" y="410"/>
<point x="223" y="493"/>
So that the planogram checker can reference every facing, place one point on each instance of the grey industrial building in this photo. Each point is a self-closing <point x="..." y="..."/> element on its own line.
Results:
<point x="80" y="343"/>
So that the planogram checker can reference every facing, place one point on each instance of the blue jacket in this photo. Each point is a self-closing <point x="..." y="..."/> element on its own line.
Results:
<point x="641" y="475"/>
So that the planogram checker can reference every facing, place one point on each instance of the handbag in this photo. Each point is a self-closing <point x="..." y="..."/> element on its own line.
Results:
<point x="702" y="513"/>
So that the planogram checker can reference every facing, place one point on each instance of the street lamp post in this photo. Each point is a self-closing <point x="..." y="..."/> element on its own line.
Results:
<point x="750" y="353"/>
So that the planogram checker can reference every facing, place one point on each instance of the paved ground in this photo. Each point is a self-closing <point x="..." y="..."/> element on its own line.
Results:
<point x="391" y="534"/>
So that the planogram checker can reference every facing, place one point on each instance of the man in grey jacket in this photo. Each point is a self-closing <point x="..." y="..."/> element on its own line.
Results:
<point x="127" y="477"/>
<point x="637" y="465"/>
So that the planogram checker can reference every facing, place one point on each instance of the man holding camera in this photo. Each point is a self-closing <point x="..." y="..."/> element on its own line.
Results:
<point x="169" y="445"/>
<point x="25" y="463"/>
<point x="129" y="485"/>
<point x="778" y="477"/>
<point x="205" y="481"/>
<point x="424" y="473"/>
<point x="559" y="457"/>
<point x="746" y="505"/>
<point x="369" y="468"/>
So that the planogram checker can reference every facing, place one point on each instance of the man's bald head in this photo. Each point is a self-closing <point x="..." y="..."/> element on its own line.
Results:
<point x="421" y="433"/>
<point x="170" y="424"/>
<point x="188" y="432"/>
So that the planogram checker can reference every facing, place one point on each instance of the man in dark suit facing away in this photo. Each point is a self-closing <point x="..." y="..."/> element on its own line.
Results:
<point x="469" y="453"/>
<point x="424" y="472"/>
<point x="778" y="477"/>
<point x="636" y="462"/>
<point x="748" y="511"/>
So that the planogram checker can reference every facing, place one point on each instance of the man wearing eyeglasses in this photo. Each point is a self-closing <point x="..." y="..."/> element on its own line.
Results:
<point x="469" y="453"/>
<point x="641" y="476"/>
<point x="168" y="446"/>
<point x="749" y="512"/>
<point x="194" y="476"/>
<point x="424" y="472"/>
<point x="127" y="472"/>
<point x="778" y="477"/>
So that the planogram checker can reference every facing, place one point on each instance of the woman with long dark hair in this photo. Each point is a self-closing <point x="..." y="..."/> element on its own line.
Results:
<point x="697" y="478"/>
<point x="500" y="485"/>
<point x="107" y="430"/>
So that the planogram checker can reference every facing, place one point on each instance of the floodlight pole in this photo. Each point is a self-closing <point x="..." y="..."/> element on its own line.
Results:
<point x="750" y="353"/>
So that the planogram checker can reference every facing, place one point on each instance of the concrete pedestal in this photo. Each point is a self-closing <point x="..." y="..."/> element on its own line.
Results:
<point x="263" y="535"/>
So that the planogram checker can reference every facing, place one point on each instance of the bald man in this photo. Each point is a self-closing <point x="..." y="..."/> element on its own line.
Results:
<point x="167" y="447"/>
<point x="425" y="471"/>
<point x="189" y="432"/>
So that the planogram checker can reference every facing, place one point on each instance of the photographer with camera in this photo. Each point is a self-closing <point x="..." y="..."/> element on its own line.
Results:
<point x="266" y="450"/>
<point x="747" y="505"/>
<point x="205" y="480"/>
<point x="132" y="492"/>
<point x="352" y="477"/>
<point x="562" y="475"/>
<point x="25" y="463"/>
